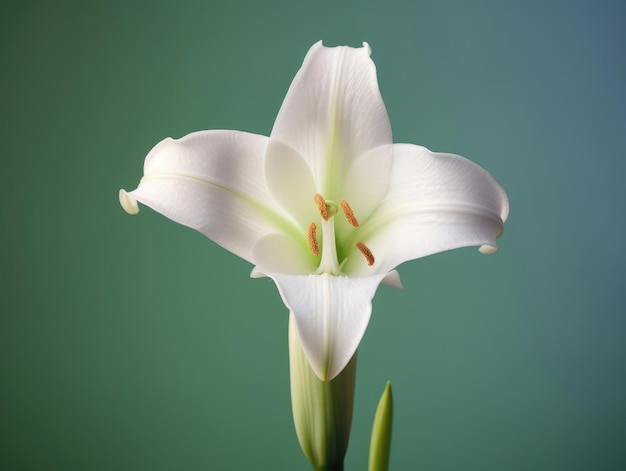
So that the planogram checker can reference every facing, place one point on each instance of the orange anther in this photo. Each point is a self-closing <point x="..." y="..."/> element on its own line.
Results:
<point x="347" y="210"/>
<point x="321" y="206"/>
<point x="367" y="253"/>
<point x="312" y="239"/>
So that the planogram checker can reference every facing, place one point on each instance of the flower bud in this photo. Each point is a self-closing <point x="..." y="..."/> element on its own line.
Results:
<point x="381" y="432"/>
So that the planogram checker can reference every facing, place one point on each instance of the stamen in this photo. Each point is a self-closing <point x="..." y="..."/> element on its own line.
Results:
<point x="321" y="206"/>
<point x="367" y="253"/>
<point x="312" y="239"/>
<point x="347" y="210"/>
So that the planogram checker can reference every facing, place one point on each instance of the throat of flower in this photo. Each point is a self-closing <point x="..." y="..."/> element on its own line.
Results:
<point x="329" y="262"/>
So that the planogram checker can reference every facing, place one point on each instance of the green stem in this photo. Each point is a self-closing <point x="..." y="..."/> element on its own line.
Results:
<point x="322" y="410"/>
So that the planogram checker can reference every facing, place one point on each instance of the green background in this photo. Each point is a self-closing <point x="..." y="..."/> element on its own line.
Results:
<point x="132" y="343"/>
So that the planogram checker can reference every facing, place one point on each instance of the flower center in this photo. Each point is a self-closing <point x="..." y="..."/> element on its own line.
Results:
<point x="328" y="209"/>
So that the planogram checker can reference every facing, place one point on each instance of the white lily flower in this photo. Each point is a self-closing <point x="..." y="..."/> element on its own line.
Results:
<point x="327" y="206"/>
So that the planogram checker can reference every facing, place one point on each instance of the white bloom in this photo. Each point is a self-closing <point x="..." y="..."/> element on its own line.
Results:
<point x="327" y="206"/>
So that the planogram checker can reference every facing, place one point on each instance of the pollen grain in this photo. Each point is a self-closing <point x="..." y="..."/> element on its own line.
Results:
<point x="367" y="253"/>
<point x="347" y="210"/>
<point x="312" y="239"/>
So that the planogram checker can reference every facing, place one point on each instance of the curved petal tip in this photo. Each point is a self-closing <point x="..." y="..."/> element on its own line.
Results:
<point x="330" y="313"/>
<point x="488" y="249"/>
<point x="392" y="279"/>
<point x="365" y="45"/>
<point x="129" y="204"/>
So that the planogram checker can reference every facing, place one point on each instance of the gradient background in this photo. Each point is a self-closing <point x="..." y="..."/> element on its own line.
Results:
<point x="131" y="343"/>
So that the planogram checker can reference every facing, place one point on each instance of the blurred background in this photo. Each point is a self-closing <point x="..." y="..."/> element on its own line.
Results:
<point x="132" y="343"/>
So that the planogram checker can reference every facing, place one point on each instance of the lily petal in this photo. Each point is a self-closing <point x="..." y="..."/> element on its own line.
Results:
<point x="213" y="181"/>
<point x="333" y="113"/>
<point x="366" y="181"/>
<point x="436" y="202"/>
<point x="331" y="314"/>
<point x="278" y="253"/>
<point x="290" y="180"/>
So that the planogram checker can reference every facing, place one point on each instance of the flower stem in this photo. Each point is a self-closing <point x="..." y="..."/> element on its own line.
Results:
<point x="322" y="410"/>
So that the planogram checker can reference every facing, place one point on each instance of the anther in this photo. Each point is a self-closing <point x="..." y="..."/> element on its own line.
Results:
<point x="321" y="206"/>
<point x="312" y="239"/>
<point x="367" y="253"/>
<point x="347" y="210"/>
